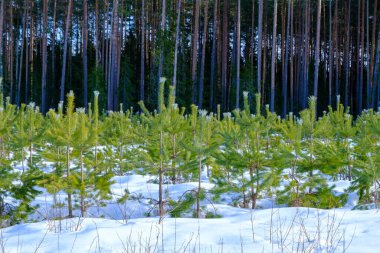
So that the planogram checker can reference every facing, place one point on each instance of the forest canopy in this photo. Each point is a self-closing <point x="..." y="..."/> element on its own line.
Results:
<point x="209" y="50"/>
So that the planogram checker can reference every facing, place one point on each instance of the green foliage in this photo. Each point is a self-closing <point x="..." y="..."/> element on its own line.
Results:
<point x="247" y="156"/>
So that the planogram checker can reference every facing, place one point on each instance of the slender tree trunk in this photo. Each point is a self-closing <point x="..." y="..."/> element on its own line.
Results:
<point x="204" y="41"/>
<point x="44" y="57"/>
<point x="347" y="52"/>
<point x="27" y="55"/>
<point x="259" y="46"/>
<point x="96" y="36"/>
<point x="285" y="74"/>
<point x="273" y="61"/>
<point x="177" y="29"/>
<point x="252" y="43"/>
<point x="373" y="47"/>
<point x="283" y="39"/>
<point x="213" y="55"/>
<point x="317" y="45"/>
<point x="336" y="49"/>
<point x="82" y="200"/>
<point x="330" y="68"/>
<point x="238" y="29"/>
<point x="163" y="27"/>
<point x="291" y="62"/>
<point x="225" y="46"/>
<point x="31" y="50"/>
<point x="1" y="44"/>
<point x="53" y="47"/>
<point x="84" y="45"/>
<point x="305" y="78"/>
<point x="63" y="74"/>
<point x="114" y="66"/>
<point x="375" y="93"/>
<point x="194" y="44"/>
<point x="142" y="51"/>
<point x="368" y="86"/>
<point x="160" y="180"/>
<point x="68" y="173"/>
<point x="11" y="51"/>
<point x="361" y="85"/>
<point x="21" y="62"/>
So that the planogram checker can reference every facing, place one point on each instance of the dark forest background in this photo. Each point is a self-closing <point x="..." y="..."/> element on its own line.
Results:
<point x="210" y="50"/>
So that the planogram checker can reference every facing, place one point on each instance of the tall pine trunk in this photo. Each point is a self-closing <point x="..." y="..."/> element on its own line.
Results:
<point x="53" y="47"/>
<point x="225" y="46"/>
<point x="27" y="56"/>
<point x="142" y="51"/>
<point x="177" y="29"/>
<point x="113" y="72"/>
<point x="373" y="47"/>
<point x="259" y="46"/>
<point x="273" y="60"/>
<point x="330" y="65"/>
<point x="194" y="45"/>
<point x="285" y="75"/>
<point x="347" y="53"/>
<point x="1" y="44"/>
<point x="21" y="61"/>
<point x="203" y="60"/>
<point x="84" y="45"/>
<point x="64" y="60"/>
<point x="162" y="25"/>
<point x="238" y="31"/>
<point x="213" y="55"/>
<point x="44" y="57"/>
<point x="317" y="44"/>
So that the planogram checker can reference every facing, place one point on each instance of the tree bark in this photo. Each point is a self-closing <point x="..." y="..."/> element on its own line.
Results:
<point x="259" y="46"/>
<point x="53" y="46"/>
<point x="63" y="74"/>
<point x="373" y="47"/>
<point x="177" y="29"/>
<point x="11" y="51"/>
<point x="285" y="75"/>
<point x="84" y="45"/>
<point x="44" y="57"/>
<point x="21" y="62"/>
<point x="204" y="41"/>
<point x="225" y="46"/>
<point x="347" y="53"/>
<point x="238" y="29"/>
<point x="1" y="44"/>
<point x="162" y="25"/>
<point x="113" y="72"/>
<point x="273" y="60"/>
<point x="317" y="45"/>
<point x="194" y="44"/>
<point x="330" y="68"/>
<point x="213" y="55"/>
<point x="142" y="51"/>
<point x="252" y="43"/>
<point x="28" y="14"/>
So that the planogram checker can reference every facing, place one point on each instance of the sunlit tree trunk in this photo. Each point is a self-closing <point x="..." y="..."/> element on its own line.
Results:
<point x="194" y="55"/>
<point x="63" y="74"/>
<point x="177" y="29"/>
<point x="317" y="45"/>
<point x="213" y="54"/>
<point x="204" y="41"/>
<point x="273" y="61"/>
<point x="84" y="45"/>
<point x="44" y="57"/>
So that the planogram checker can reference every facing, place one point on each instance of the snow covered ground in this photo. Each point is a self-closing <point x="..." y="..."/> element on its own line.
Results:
<point x="125" y="227"/>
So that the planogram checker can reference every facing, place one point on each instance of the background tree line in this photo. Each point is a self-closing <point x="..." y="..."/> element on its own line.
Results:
<point x="210" y="50"/>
